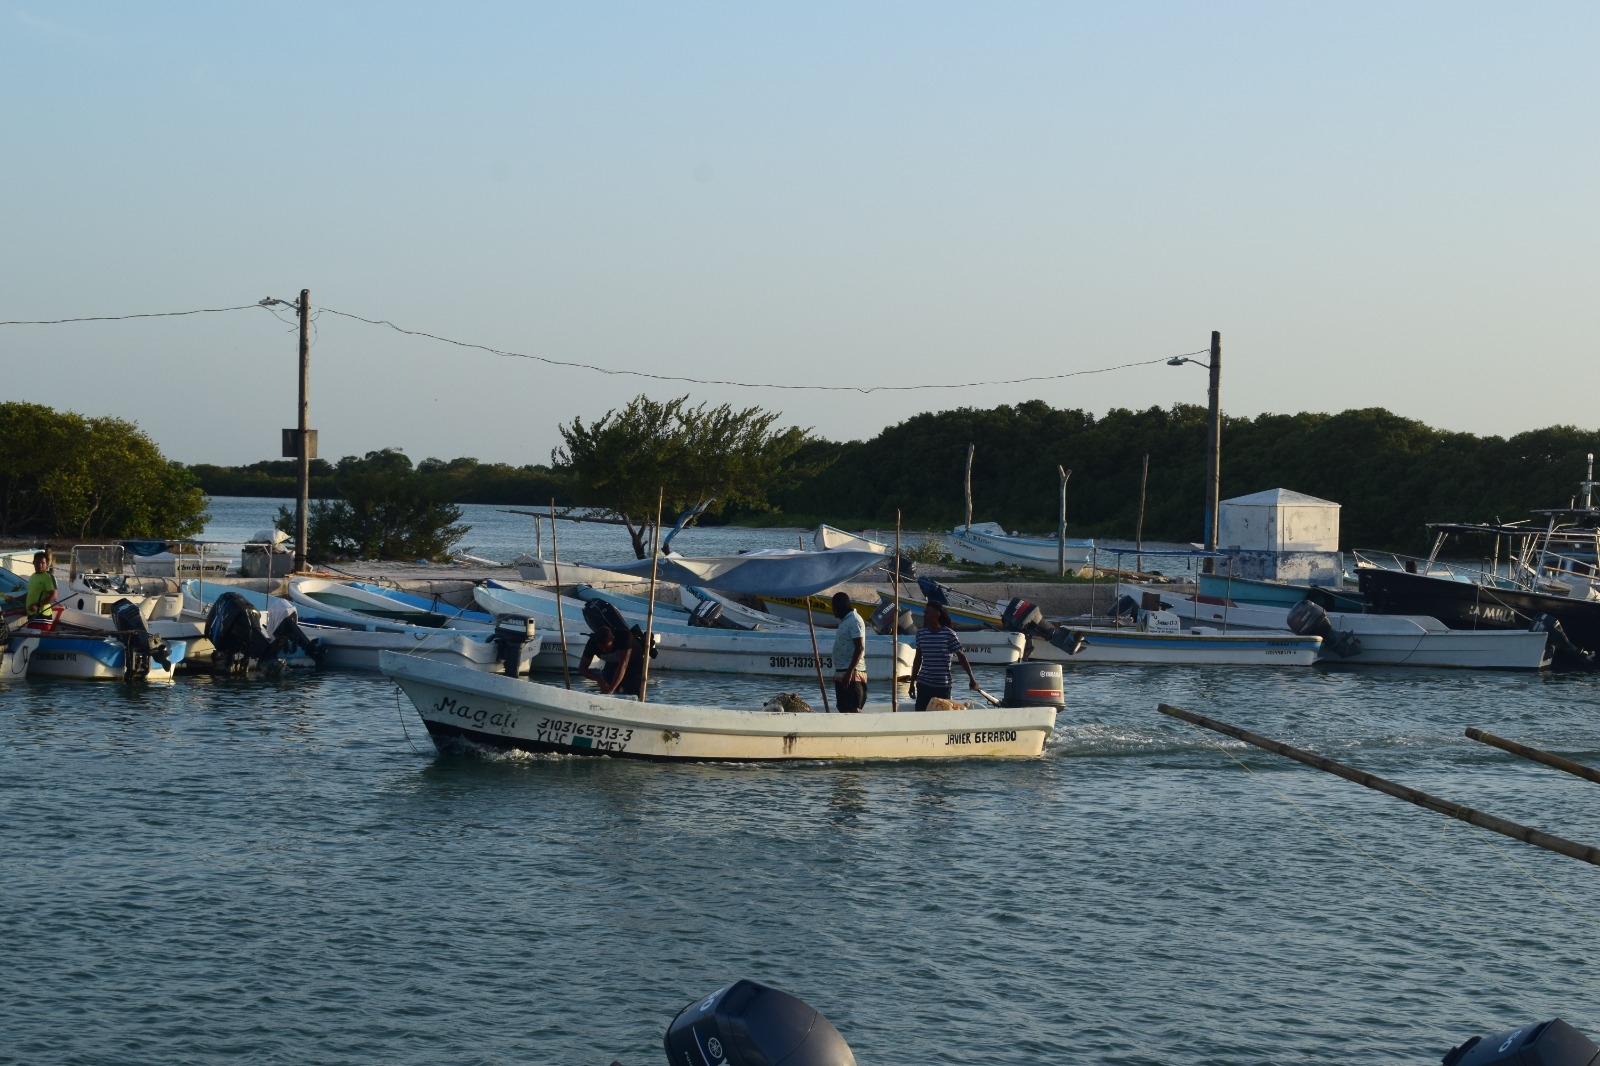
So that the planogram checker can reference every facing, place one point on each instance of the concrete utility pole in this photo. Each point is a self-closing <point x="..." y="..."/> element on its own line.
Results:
<point x="1214" y="450"/>
<point x="303" y="435"/>
<point x="1213" y="443"/>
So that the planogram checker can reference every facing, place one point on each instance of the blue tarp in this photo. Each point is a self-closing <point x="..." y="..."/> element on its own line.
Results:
<point x="782" y="572"/>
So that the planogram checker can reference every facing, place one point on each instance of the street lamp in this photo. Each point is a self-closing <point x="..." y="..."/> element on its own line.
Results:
<point x="1214" y="443"/>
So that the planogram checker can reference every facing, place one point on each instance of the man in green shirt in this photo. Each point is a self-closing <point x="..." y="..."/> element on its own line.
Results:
<point x="41" y="593"/>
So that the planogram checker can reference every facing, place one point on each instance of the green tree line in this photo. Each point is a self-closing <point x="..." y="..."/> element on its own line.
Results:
<point x="1390" y="474"/>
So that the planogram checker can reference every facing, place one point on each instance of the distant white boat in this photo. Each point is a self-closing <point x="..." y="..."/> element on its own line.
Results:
<point x="504" y="713"/>
<point x="537" y="571"/>
<point x="1160" y="640"/>
<point x="989" y="544"/>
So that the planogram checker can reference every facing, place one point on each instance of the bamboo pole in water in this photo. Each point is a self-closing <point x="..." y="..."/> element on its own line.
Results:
<point x="1138" y="532"/>
<point x="970" y="449"/>
<point x="650" y="612"/>
<point x="1516" y="831"/>
<point x="1577" y="769"/>
<point x="894" y="633"/>
<point x="816" y="652"/>
<point x="561" y="617"/>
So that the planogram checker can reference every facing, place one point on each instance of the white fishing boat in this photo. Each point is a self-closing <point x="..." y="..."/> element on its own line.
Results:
<point x="989" y="544"/>
<point x="1159" y="639"/>
<point x="1374" y="639"/>
<point x="537" y="571"/>
<point x="353" y="640"/>
<point x="461" y="707"/>
<point x="694" y="649"/>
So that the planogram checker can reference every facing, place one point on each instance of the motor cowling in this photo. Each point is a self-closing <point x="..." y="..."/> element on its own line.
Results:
<point x="511" y="635"/>
<point x="233" y="626"/>
<point x="1551" y="1043"/>
<point x="751" y="1024"/>
<point x="1308" y="618"/>
<point x="1033" y="684"/>
<point x="142" y="644"/>
<point x="1021" y="616"/>
<point x="706" y="614"/>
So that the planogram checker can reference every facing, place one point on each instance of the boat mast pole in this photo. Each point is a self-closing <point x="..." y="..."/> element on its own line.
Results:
<point x="1138" y="533"/>
<point x="561" y="616"/>
<point x="1214" y="451"/>
<point x="650" y="613"/>
<point x="816" y="652"/>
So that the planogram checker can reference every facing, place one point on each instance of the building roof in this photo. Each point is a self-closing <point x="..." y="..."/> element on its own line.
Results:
<point x="1280" y="497"/>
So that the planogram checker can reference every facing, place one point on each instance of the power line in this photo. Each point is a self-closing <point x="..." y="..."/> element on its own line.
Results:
<point x="123" y="318"/>
<point x="612" y="371"/>
<point x="745" y="384"/>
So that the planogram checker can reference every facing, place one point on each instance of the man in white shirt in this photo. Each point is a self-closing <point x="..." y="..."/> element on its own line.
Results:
<point x="849" y="656"/>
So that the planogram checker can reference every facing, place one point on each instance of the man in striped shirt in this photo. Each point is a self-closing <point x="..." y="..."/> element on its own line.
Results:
<point x="930" y="669"/>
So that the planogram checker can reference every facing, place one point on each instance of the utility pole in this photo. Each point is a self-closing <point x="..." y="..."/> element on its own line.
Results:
<point x="303" y="436"/>
<point x="1214" y="451"/>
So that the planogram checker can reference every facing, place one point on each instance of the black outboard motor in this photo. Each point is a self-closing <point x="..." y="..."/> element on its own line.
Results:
<point x="933" y="591"/>
<point x="883" y="619"/>
<point x="1551" y="1043"/>
<point x="233" y="626"/>
<point x="141" y="644"/>
<point x="1031" y="684"/>
<point x="1126" y="609"/>
<point x="288" y="632"/>
<point x="707" y="614"/>
<point x="1308" y="619"/>
<point x="750" y="1024"/>
<point x="1560" y="644"/>
<point x="511" y="634"/>
<point x="1021" y="616"/>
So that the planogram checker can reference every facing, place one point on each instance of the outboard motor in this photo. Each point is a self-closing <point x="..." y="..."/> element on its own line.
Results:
<point x="883" y="619"/>
<point x="932" y="591"/>
<point x="141" y="644"/>
<point x="751" y="1024"/>
<point x="1560" y="644"/>
<point x="1309" y="619"/>
<point x="707" y="614"/>
<point x="511" y="634"/>
<point x="1068" y="640"/>
<point x="234" y="628"/>
<point x="1551" y="1043"/>
<point x="1021" y="616"/>
<point x="1030" y="684"/>
<point x="1126" y="609"/>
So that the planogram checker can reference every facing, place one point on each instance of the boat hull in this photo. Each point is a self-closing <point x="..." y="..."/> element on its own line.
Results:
<point x="1033" y="553"/>
<point x="82" y="658"/>
<point x="1466" y="605"/>
<point x="462" y="707"/>
<point x="1102" y="645"/>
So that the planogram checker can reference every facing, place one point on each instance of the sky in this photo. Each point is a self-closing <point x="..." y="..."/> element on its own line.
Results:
<point x="1376" y="204"/>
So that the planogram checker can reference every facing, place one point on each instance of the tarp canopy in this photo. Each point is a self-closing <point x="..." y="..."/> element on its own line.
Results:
<point x="774" y="572"/>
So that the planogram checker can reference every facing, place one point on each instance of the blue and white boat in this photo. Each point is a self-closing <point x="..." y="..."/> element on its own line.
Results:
<point x="86" y="657"/>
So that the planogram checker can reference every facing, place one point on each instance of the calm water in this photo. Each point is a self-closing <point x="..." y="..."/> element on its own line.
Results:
<point x="286" y="872"/>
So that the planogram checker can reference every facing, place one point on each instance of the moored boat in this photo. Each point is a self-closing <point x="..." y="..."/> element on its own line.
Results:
<point x="988" y="543"/>
<point x="505" y="713"/>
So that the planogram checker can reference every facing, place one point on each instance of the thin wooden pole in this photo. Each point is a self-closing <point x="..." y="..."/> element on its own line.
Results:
<point x="650" y="612"/>
<point x="1577" y="769"/>
<point x="894" y="634"/>
<point x="1138" y="533"/>
<point x="1214" y="450"/>
<point x="816" y="652"/>
<point x="1061" y="526"/>
<point x="1528" y="835"/>
<point x="970" y="449"/>
<point x="561" y="616"/>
